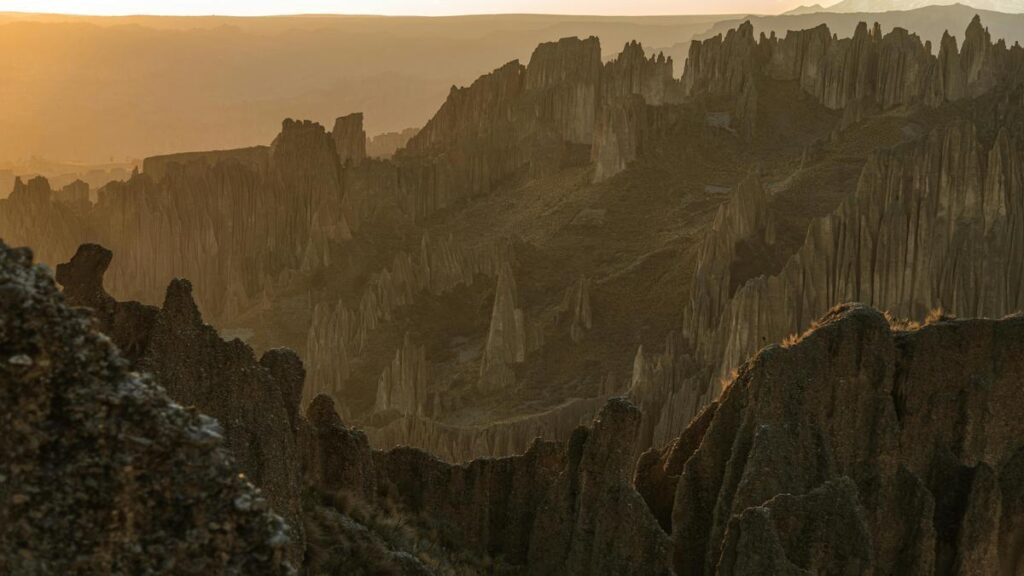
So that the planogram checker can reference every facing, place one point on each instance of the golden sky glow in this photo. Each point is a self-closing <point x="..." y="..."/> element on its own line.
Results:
<point x="398" y="7"/>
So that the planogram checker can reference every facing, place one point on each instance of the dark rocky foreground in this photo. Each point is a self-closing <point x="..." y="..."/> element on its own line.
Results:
<point x="101" y="472"/>
<point x="866" y="446"/>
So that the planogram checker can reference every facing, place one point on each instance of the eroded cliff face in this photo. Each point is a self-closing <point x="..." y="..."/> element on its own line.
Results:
<point x="571" y="507"/>
<point x="257" y="402"/>
<point x="887" y="71"/>
<point x="350" y="139"/>
<point x="861" y="448"/>
<point x="933" y="224"/>
<point x="560" y="508"/>
<point x="310" y="243"/>
<point x="664" y="384"/>
<point x="501" y="439"/>
<point x="338" y="334"/>
<point x="102" y="472"/>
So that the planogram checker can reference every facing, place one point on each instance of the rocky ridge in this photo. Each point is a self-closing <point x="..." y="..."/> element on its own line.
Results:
<point x="323" y="455"/>
<point x="866" y="446"/>
<point x="102" y="472"/>
<point x="257" y="401"/>
<point x="869" y="71"/>
<point x="934" y="224"/>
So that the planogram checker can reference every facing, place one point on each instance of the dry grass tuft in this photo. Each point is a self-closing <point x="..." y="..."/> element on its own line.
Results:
<point x="901" y="324"/>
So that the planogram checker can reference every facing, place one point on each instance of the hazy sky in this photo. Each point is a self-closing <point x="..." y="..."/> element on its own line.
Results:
<point x="400" y="7"/>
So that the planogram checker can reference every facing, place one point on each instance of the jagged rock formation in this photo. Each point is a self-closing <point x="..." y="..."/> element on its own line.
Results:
<point x="257" y="402"/>
<point x="503" y="438"/>
<point x="385" y="145"/>
<point x="557" y="509"/>
<point x="509" y="337"/>
<point x="933" y="224"/>
<point x="128" y="324"/>
<point x="158" y="167"/>
<point x="338" y="334"/>
<point x="75" y="193"/>
<point x="861" y="448"/>
<point x="31" y="212"/>
<point x="307" y="241"/>
<point x="334" y="456"/>
<point x="663" y="385"/>
<point x="721" y="66"/>
<point x="240" y="223"/>
<point x="887" y="71"/>
<point x="744" y="219"/>
<point x="520" y="118"/>
<point x="102" y="472"/>
<point x="575" y="309"/>
<point x="403" y="384"/>
<point x="619" y="137"/>
<point x="634" y="73"/>
<point x="349" y="139"/>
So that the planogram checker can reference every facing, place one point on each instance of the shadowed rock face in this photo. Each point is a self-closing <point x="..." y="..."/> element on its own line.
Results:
<point x="560" y="508"/>
<point x="857" y="450"/>
<point x="885" y="71"/>
<point x="102" y="472"/>
<point x="349" y="139"/>
<point x="917" y="210"/>
<point x="256" y="402"/>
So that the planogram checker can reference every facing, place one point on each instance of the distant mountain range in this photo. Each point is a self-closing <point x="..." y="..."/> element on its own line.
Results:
<point x="1007" y="6"/>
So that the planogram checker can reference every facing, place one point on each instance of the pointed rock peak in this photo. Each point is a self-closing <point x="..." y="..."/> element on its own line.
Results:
<point x="975" y="24"/>
<point x="322" y="413"/>
<point x="861" y="31"/>
<point x="609" y="448"/>
<point x="506" y="287"/>
<point x="179" y="304"/>
<point x="36" y="188"/>
<point x="82" y="277"/>
<point x="287" y="369"/>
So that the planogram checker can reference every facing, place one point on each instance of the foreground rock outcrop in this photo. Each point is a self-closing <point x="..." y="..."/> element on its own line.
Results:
<point x="100" y="471"/>
<point x="257" y="402"/>
<point x="864" y="447"/>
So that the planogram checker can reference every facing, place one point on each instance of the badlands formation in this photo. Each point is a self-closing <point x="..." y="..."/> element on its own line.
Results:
<point x="592" y="318"/>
